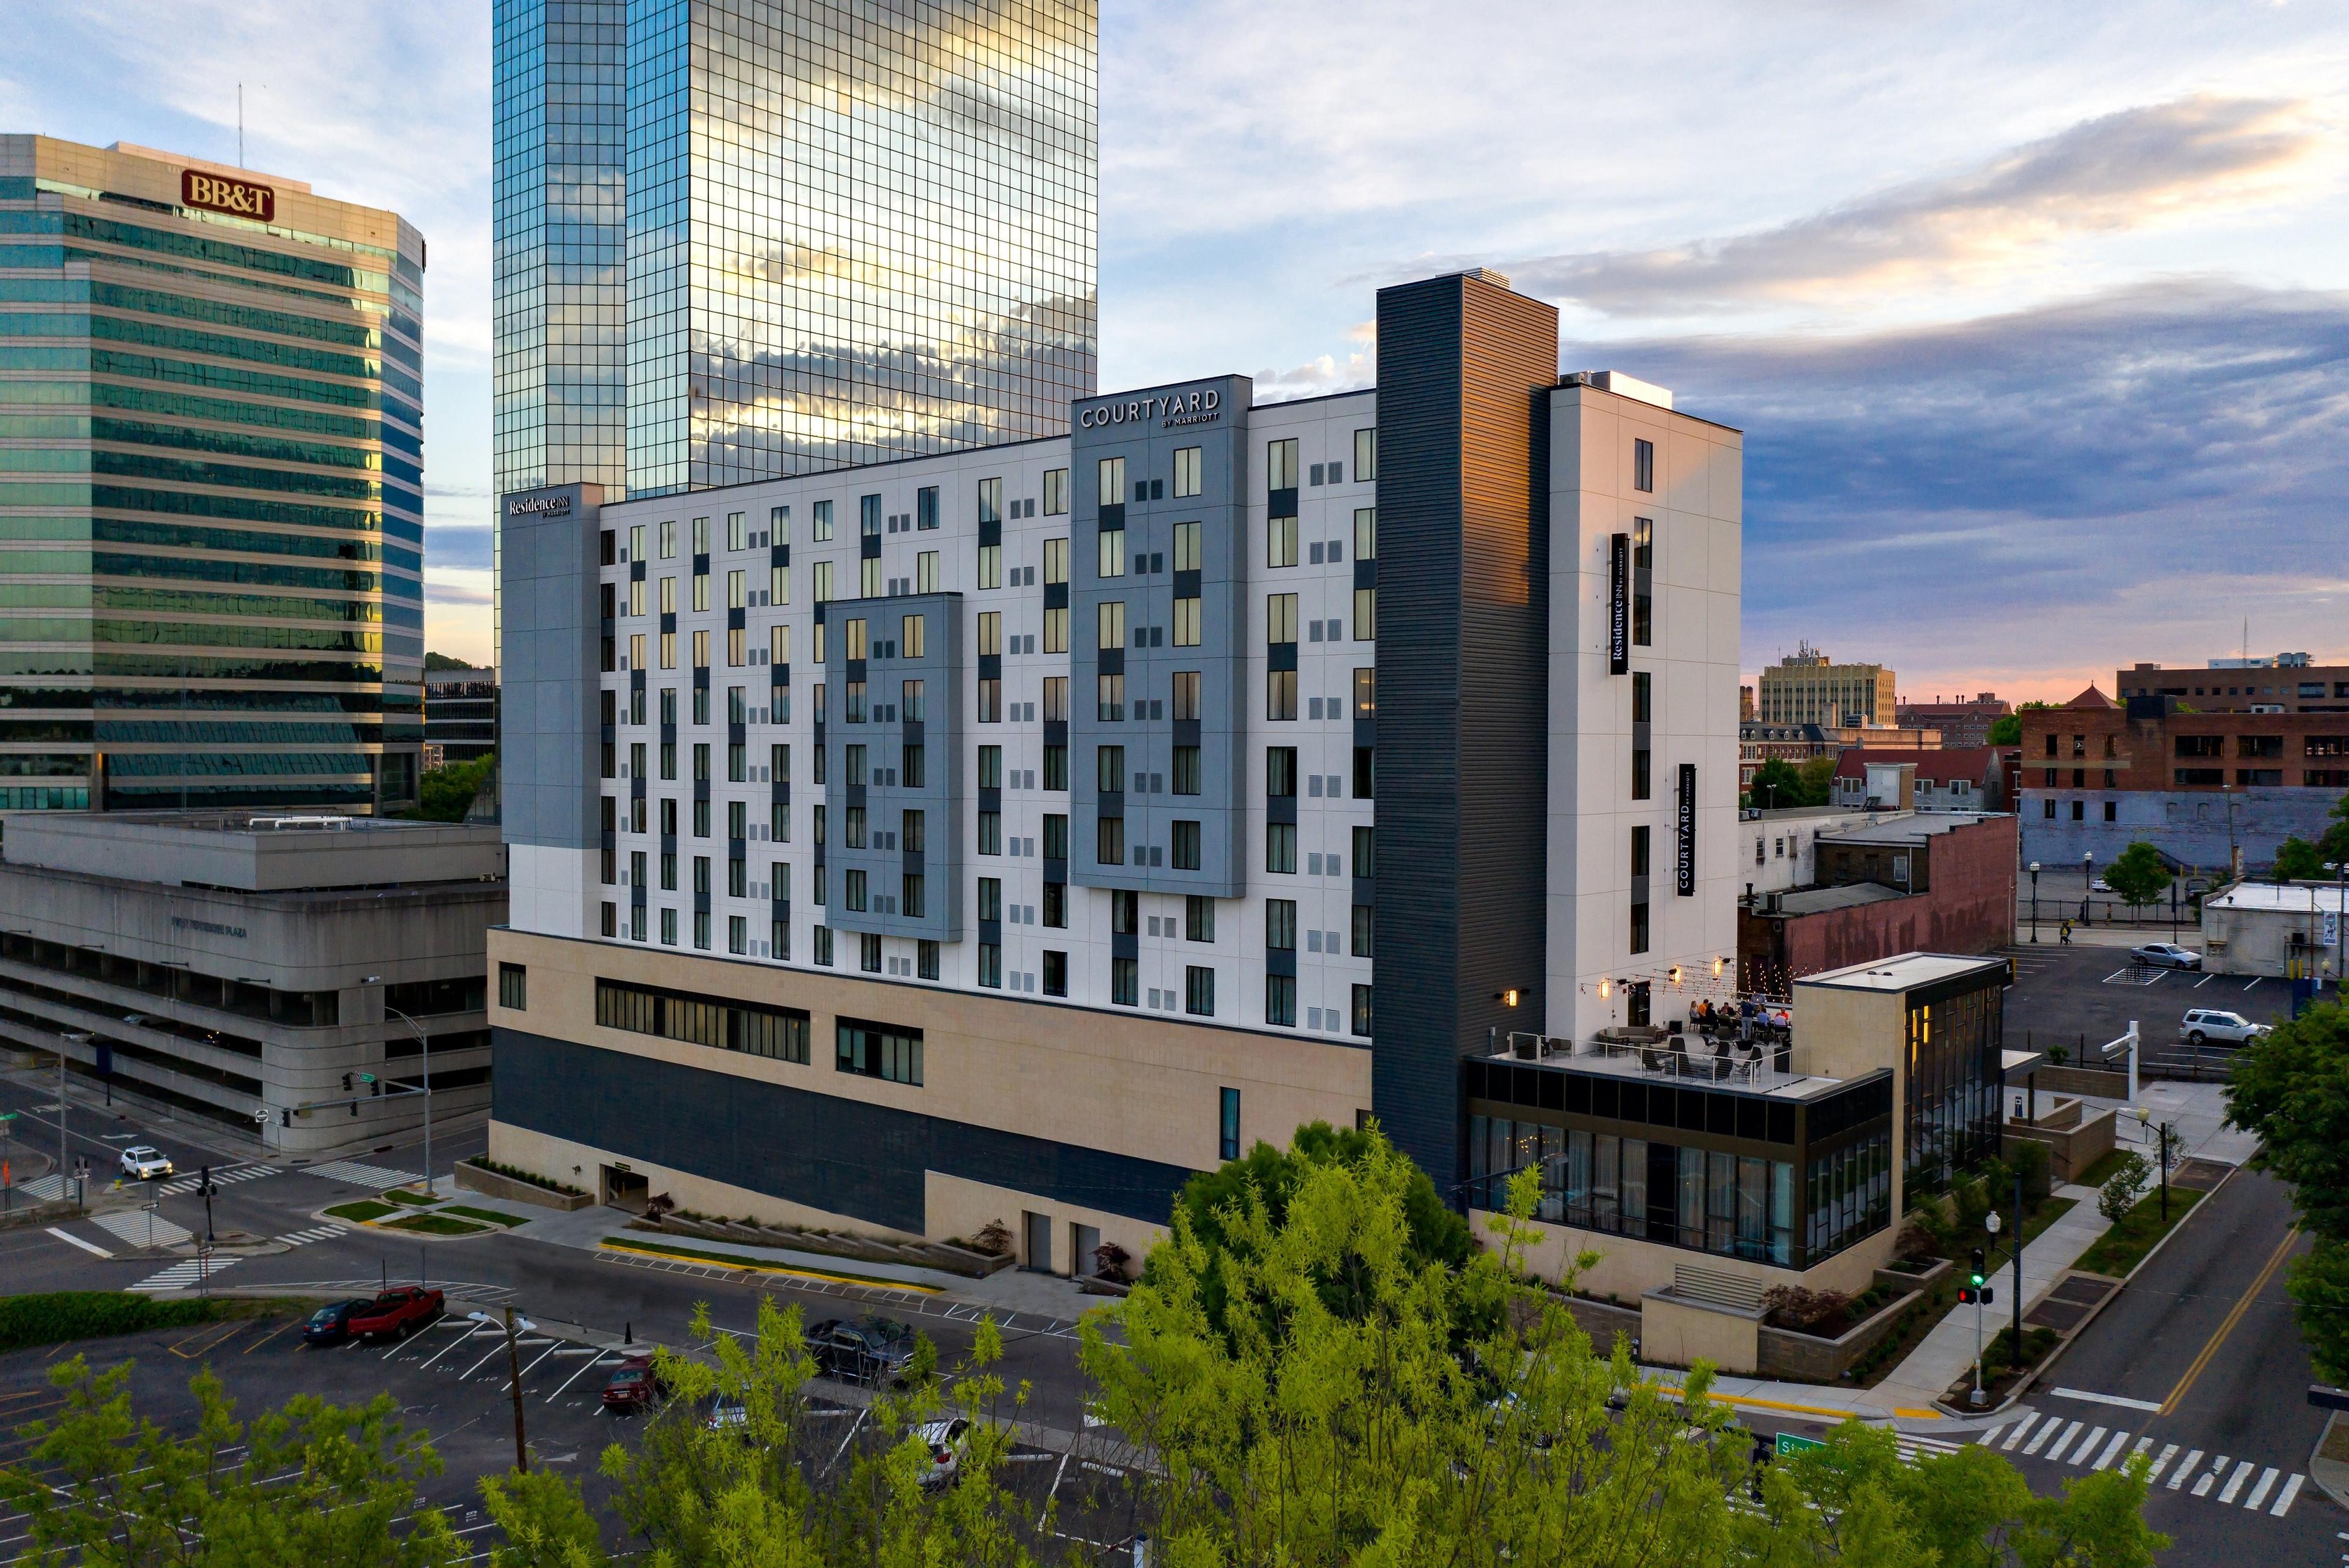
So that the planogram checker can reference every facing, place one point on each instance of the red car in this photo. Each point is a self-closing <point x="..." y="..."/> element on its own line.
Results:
<point x="633" y="1386"/>
<point x="398" y="1313"/>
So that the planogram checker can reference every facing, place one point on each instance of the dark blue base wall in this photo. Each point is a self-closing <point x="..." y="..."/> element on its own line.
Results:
<point x="841" y="1156"/>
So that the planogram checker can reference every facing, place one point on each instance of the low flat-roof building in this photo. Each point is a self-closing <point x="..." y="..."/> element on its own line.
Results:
<point x="2290" y="931"/>
<point x="246" y="967"/>
<point x="1940" y="880"/>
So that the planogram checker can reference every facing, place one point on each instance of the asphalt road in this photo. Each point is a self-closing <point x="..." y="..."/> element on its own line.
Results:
<point x="2067" y="995"/>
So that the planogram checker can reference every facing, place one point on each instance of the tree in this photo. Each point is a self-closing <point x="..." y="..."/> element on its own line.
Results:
<point x="2297" y="860"/>
<point x="2290" y="1089"/>
<point x="446" y="793"/>
<point x="547" y="1523"/>
<point x="1818" y="774"/>
<point x="2006" y="730"/>
<point x="1779" y="784"/>
<point x="2124" y="1187"/>
<point x="444" y="661"/>
<point x="2335" y="845"/>
<point x="2139" y="875"/>
<point x="318" y="1482"/>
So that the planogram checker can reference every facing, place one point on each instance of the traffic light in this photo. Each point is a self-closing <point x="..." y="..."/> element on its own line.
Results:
<point x="1976" y="1271"/>
<point x="347" y="1089"/>
<point x="286" y="1117"/>
<point x="1965" y="1295"/>
<point x="1986" y="1294"/>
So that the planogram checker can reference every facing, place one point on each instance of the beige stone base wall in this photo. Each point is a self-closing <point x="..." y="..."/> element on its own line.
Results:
<point x="960" y="1207"/>
<point x="1682" y="1334"/>
<point x="1628" y="1268"/>
<point x="579" y="1165"/>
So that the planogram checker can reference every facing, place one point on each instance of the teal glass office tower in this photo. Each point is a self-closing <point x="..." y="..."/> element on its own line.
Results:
<point x="211" y="488"/>
<point x="743" y="239"/>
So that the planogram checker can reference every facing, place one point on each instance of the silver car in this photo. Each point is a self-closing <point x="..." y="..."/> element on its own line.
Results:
<point x="141" y="1163"/>
<point x="2207" y="1023"/>
<point x="2166" y="955"/>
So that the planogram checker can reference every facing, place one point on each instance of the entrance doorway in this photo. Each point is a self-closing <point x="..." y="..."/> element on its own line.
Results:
<point x="1038" y="1238"/>
<point x="1084" y="1242"/>
<point x="624" y="1189"/>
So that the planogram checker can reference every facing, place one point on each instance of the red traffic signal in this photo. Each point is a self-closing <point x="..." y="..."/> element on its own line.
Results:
<point x="1965" y="1295"/>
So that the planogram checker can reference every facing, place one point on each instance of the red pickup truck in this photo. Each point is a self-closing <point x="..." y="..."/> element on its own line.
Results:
<point x="397" y="1312"/>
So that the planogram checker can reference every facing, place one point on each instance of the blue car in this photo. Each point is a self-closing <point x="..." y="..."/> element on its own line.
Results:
<point x="331" y="1324"/>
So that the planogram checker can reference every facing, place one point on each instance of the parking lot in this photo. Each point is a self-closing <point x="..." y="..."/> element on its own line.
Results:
<point x="2081" y="996"/>
<point x="451" y="1383"/>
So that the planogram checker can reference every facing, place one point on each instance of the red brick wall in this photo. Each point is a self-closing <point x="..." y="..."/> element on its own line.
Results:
<point x="1970" y="909"/>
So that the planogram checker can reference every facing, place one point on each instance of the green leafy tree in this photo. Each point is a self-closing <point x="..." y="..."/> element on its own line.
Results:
<point x="547" y="1523"/>
<point x="2121" y="1189"/>
<point x="318" y="1482"/>
<point x="2290" y="1088"/>
<point x="2006" y="730"/>
<point x="2297" y="860"/>
<point x="443" y="661"/>
<point x="1818" y="774"/>
<point x="1779" y="784"/>
<point x="2139" y="875"/>
<point x="2319" y="1285"/>
<point x="446" y="793"/>
<point x="2335" y="845"/>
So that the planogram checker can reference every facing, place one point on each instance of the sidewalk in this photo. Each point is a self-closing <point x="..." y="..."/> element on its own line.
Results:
<point x="1943" y="1357"/>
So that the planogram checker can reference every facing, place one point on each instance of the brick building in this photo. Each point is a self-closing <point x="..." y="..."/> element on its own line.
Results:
<point x="1944" y="882"/>
<point x="1969" y="779"/>
<point x="2284" y="683"/>
<point x="1963" y="721"/>
<point x="2202" y="786"/>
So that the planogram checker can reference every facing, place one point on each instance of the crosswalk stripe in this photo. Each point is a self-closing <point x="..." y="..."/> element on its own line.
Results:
<point x="134" y="1228"/>
<point x="2063" y="1443"/>
<point x="2112" y="1452"/>
<point x="2185" y="1468"/>
<point x="2235" y="1482"/>
<point x="2283" y="1498"/>
<point x="359" y="1175"/>
<point x="63" y="1235"/>
<point x="2049" y="1430"/>
<point x="186" y="1273"/>
<point x="2209" y="1477"/>
<point x="2014" y="1434"/>
<point x="2168" y="1454"/>
<point x="2260" y="1492"/>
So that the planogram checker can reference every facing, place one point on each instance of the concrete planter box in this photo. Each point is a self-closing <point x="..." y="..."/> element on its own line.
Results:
<point x="2075" y="1136"/>
<point x="1924" y="1279"/>
<point x="1808" y="1358"/>
<point x="865" y="1249"/>
<point x="472" y="1178"/>
<point x="2097" y="1082"/>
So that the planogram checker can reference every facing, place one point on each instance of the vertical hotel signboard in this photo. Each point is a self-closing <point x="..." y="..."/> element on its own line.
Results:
<point x="1619" y="605"/>
<point x="1684" y="833"/>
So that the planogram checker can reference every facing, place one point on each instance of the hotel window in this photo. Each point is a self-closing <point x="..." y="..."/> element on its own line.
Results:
<point x="1056" y="492"/>
<point x="1198" y="917"/>
<point x="1186" y="472"/>
<point x="1366" y="858"/>
<point x="1280" y="772"/>
<point x="885" y="1051"/>
<point x="821" y="529"/>
<point x="925" y="572"/>
<point x="990" y="566"/>
<point x="1108" y="475"/>
<point x="911" y="638"/>
<point x="513" y="987"/>
<point x="1186" y="770"/>
<point x="779" y="525"/>
<point x="990" y="767"/>
<point x="1182" y="845"/>
<point x="925" y="959"/>
<point x="738" y="934"/>
<point x="701" y="590"/>
<point x="991" y="900"/>
<point x="1056" y="973"/>
<point x="823" y="935"/>
<point x="1199" y="992"/>
<point x="635" y="650"/>
<point x="1056" y="561"/>
<point x="1186" y="695"/>
<point x="1187" y="622"/>
<point x="1366" y="694"/>
<point x="1281" y="540"/>
<point x="990" y="633"/>
<point x="668" y="650"/>
<point x="1280" y="925"/>
<point x="1109" y="698"/>
<point x="1124" y="981"/>
<point x="1109" y="841"/>
<point x="1111" y="623"/>
<point x="1639" y="927"/>
<point x="1280" y="848"/>
<point x="1366" y="454"/>
<point x="1112" y="562"/>
<point x="702" y="650"/>
<point x="1362" y="1011"/>
<point x="990" y="833"/>
<point x="1643" y="465"/>
<point x="1643" y="596"/>
<point x="1643" y="697"/>
<point x="668" y="540"/>
<point x="1279" y="618"/>
<point x="926" y="508"/>
<point x="913" y="756"/>
<point x="1280" y="1000"/>
<point x="1281" y="464"/>
<point x="737" y="596"/>
<point x="778" y="648"/>
<point x="1361" y="932"/>
<point x="668" y="602"/>
<point x="868" y="578"/>
<point x="1055" y="629"/>
<point x="1187" y="546"/>
<point x="1056" y="699"/>
<point x="1639" y="851"/>
<point x="1227" y="1124"/>
<point x="701" y="535"/>
<point x="1639" y="770"/>
<point x="913" y="707"/>
<point x="1280" y="694"/>
<point x="1109" y="769"/>
<point x="1366" y="532"/>
<point x="912" y="888"/>
<point x="1366" y="615"/>
<point x="636" y="596"/>
<point x="822" y="590"/>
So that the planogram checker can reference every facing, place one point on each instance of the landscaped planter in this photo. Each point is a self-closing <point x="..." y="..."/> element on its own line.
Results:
<point x="1800" y="1357"/>
<point x="471" y="1178"/>
<point x="1925" y="1279"/>
<point x="867" y="1249"/>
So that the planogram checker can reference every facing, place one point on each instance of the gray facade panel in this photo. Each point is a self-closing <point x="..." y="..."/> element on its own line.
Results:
<point x="888" y="728"/>
<point x="788" y="1143"/>
<point x="1147" y="430"/>
<point x="548" y="577"/>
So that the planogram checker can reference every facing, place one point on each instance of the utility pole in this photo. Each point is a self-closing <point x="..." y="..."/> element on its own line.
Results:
<point x="514" y="1367"/>
<point x="2018" y="1271"/>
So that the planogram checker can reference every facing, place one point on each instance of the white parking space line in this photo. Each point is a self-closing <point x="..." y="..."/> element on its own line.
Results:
<point x="478" y="1328"/>
<point x="2185" y="1468"/>
<point x="2260" y="1492"/>
<point x="2168" y="1454"/>
<point x="2204" y="981"/>
<point x="2015" y="1433"/>
<point x="2047" y="1431"/>
<point x="592" y="1361"/>
<point x="93" y="1249"/>
<point x="2283" y="1498"/>
<point x="2112" y="1452"/>
<point x="2255" y="980"/>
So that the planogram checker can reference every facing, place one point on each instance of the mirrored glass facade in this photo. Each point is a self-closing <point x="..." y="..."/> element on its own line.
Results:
<point x="211" y="488"/>
<point x="742" y="239"/>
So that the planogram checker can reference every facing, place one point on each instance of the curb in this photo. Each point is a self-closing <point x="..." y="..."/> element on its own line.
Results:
<point x="2331" y="1476"/>
<point x="2032" y="1379"/>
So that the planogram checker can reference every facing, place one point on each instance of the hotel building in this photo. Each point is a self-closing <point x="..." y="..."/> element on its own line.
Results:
<point x="211" y="487"/>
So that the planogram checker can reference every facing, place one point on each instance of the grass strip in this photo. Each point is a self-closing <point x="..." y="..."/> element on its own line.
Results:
<point x="761" y="1265"/>
<point x="2123" y="1247"/>
<point x="434" y="1225"/>
<point x="491" y="1215"/>
<point x="400" y="1195"/>
<point x="362" y="1212"/>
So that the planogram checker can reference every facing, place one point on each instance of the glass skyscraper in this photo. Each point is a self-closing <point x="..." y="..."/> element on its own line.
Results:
<point x="740" y="239"/>
<point x="211" y="487"/>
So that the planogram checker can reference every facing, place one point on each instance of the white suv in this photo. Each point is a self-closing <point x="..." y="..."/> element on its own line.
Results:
<point x="2202" y="1023"/>
<point x="143" y="1164"/>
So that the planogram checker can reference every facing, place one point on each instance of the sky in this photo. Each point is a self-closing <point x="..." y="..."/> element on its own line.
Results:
<point x="2036" y="318"/>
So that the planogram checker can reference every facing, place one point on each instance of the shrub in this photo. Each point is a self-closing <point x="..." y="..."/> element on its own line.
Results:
<point x="518" y="1174"/>
<point x="2124" y="1187"/>
<point x="61" y="1315"/>
<point x="2032" y="1160"/>
<point x="1808" y="1310"/>
<point x="1916" y="1244"/>
<point x="994" y="1239"/>
<point x="1973" y="1205"/>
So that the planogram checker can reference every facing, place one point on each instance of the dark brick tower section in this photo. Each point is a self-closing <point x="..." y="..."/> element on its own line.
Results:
<point x="1463" y="651"/>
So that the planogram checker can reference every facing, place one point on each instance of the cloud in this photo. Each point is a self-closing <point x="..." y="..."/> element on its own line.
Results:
<point x="457" y="546"/>
<point x="2042" y="494"/>
<point x="2119" y="172"/>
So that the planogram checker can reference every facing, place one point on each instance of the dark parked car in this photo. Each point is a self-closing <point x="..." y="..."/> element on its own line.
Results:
<point x="398" y="1313"/>
<point x="633" y="1386"/>
<point x="331" y="1324"/>
<point x="867" y="1350"/>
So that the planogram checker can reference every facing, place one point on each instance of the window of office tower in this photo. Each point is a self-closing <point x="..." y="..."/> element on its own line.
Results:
<point x="856" y="353"/>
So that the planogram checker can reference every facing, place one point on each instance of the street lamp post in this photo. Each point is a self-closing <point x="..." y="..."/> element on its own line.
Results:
<point x="78" y="1037"/>
<point x="2087" y="877"/>
<point x="424" y="1046"/>
<point x="2034" y="901"/>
